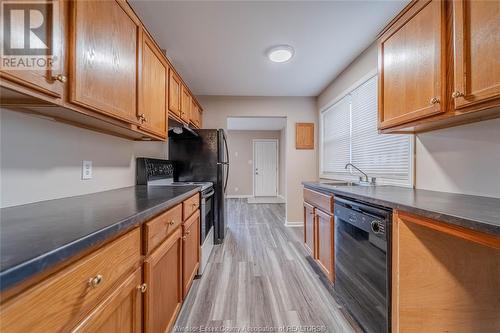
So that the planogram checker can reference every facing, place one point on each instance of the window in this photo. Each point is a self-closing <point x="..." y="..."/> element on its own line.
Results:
<point x="349" y="135"/>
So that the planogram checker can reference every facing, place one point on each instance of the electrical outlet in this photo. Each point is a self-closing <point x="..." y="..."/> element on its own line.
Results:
<point x="86" y="170"/>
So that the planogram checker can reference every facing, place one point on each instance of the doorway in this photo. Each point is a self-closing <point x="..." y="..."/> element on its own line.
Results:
<point x="265" y="168"/>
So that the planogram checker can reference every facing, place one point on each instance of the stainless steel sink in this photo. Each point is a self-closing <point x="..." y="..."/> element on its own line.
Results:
<point x="341" y="183"/>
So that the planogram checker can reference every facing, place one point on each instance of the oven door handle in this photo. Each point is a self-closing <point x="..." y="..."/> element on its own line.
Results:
<point x="208" y="195"/>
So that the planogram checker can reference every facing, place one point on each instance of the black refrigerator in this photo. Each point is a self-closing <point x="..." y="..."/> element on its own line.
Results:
<point x="203" y="158"/>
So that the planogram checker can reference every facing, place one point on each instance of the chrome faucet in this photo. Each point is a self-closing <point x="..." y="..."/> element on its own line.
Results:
<point x="360" y="178"/>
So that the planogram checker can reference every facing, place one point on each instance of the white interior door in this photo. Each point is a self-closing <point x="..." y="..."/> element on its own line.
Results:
<point x="265" y="168"/>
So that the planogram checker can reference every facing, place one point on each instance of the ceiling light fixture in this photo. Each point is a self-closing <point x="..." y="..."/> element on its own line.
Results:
<point x="280" y="53"/>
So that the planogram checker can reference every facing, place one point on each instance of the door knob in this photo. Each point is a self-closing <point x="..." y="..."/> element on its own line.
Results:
<point x="434" y="100"/>
<point x="142" y="288"/>
<point x="60" y="78"/>
<point x="95" y="281"/>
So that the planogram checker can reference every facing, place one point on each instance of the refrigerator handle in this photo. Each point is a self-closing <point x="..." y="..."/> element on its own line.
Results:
<point x="227" y="162"/>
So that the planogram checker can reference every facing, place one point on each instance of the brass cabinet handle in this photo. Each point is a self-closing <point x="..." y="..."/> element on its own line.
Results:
<point x="457" y="94"/>
<point x="172" y="222"/>
<point x="95" y="281"/>
<point x="142" y="288"/>
<point x="60" y="78"/>
<point x="434" y="100"/>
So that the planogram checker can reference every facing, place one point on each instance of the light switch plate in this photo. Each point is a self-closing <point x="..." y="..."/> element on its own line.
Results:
<point x="86" y="170"/>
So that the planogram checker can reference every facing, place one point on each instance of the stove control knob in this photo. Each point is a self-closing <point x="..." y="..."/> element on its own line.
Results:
<point x="376" y="228"/>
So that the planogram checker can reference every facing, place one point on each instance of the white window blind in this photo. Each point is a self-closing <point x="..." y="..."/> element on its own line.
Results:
<point x="336" y="134"/>
<point x="385" y="156"/>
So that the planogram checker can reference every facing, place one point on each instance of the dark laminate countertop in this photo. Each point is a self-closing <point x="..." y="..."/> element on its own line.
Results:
<point x="469" y="211"/>
<point x="37" y="236"/>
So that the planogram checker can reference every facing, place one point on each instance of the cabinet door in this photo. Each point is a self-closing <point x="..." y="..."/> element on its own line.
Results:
<point x="47" y="81"/>
<point x="200" y="117"/>
<point x="477" y="50"/>
<point x="154" y="76"/>
<point x="103" y="59"/>
<point x="163" y="276"/>
<point x="412" y="73"/>
<point x="190" y="250"/>
<point x="309" y="229"/>
<point x="325" y="240"/>
<point x="119" y="312"/>
<point x="444" y="278"/>
<point x="194" y="114"/>
<point x="174" y="93"/>
<point x="185" y="104"/>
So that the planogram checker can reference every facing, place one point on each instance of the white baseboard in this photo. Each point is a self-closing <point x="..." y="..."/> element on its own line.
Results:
<point x="294" y="224"/>
<point x="239" y="196"/>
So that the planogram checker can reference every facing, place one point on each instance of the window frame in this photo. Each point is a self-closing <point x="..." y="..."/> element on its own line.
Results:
<point x="347" y="176"/>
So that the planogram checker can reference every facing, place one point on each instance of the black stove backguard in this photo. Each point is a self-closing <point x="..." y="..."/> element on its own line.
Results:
<point x="148" y="169"/>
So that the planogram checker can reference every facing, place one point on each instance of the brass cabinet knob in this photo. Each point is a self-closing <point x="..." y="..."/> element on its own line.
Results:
<point x="434" y="100"/>
<point x="184" y="237"/>
<point x="194" y="204"/>
<point x="142" y="118"/>
<point x="171" y="222"/>
<point x="457" y="94"/>
<point x="60" y="78"/>
<point x="95" y="281"/>
<point x="188" y="232"/>
<point x="142" y="288"/>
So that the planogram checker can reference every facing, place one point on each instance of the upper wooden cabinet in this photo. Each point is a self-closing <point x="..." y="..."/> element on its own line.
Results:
<point x="153" y="94"/>
<point x="110" y="74"/>
<point x="103" y="58"/>
<point x="438" y="65"/>
<point x="412" y="65"/>
<point x="185" y="104"/>
<point x="174" y="93"/>
<point x="49" y="82"/>
<point x="195" y="114"/>
<point x="477" y="54"/>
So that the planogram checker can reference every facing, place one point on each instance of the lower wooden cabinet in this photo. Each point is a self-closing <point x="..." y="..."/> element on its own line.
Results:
<point x="325" y="242"/>
<point x="163" y="276"/>
<point x="309" y="229"/>
<point x="319" y="230"/>
<point x="190" y="251"/>
<point x="119" y="312"/>
<point x="444" y="278"/>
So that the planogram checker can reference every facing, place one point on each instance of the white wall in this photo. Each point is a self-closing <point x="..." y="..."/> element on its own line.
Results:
<point x="300" y="164"/>
<point x="464" y="159"/>
<point x="240" y="144"/>
<point x="42" y="159"/>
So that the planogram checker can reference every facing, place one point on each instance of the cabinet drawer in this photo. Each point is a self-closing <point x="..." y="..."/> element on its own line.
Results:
<point x="59" y="302"/>
<point x="156" y="230"/>
<point x="190" y="205"/>
<point x="319" y="200"/>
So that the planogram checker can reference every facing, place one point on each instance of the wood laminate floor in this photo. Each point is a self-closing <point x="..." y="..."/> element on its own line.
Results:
<point x="260" y="278"/>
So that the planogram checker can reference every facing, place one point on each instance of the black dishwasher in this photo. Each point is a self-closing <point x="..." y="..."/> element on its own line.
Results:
<point x="362" y="262"/>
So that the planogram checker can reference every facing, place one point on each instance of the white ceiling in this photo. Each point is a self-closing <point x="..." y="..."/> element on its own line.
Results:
<point x="219" y="46"/>
<point x="256" y="123"/>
